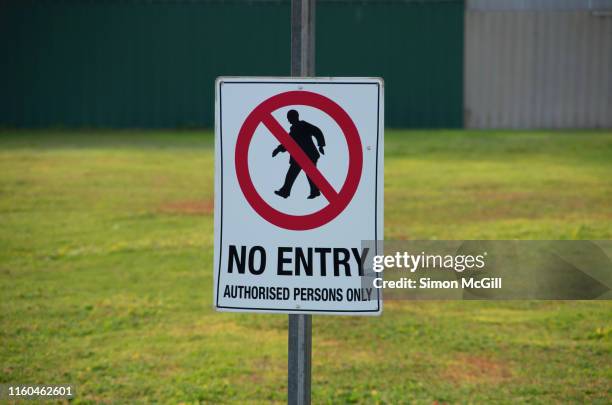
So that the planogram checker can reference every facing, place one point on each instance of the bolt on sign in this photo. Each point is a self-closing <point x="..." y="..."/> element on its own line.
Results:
<point x="298" y="187"/>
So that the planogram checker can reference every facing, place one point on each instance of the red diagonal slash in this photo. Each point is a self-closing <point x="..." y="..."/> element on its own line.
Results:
<point x="300" y="157"/>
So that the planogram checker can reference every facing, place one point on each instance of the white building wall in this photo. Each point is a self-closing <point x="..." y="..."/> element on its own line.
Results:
<point x="538" y="64"/>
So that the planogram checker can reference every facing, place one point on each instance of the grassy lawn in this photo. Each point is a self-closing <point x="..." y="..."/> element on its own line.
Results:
<point x="106" y="275"/>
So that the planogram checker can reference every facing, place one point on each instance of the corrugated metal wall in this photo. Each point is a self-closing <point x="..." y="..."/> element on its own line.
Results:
<point x="116" y="63"/>
<point x="417" y="47"/>
<point x="152" y="63"/>
<point x="532" y="65"/>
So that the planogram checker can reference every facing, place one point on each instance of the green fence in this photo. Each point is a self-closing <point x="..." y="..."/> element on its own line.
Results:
<point x="152" y="64"/>
<point x="417" y="47"/>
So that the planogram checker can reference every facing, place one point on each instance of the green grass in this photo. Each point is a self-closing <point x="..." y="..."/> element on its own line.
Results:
<point x="106" y="275"/>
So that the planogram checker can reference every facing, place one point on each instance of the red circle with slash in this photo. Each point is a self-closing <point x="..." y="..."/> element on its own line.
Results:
<point x="338" y="201"/>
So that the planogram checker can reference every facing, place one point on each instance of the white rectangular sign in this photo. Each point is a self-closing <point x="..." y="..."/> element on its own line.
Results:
<point x="298" y="187"/>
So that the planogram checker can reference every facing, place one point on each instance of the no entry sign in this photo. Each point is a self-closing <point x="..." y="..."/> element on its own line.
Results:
<point x="298" y="188"/>
<point x="337" y="201"/>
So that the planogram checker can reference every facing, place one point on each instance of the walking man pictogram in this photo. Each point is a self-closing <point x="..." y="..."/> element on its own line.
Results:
<point x="302" y="133"/>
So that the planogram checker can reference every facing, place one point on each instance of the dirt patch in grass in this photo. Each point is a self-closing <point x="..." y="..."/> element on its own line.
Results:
<point x="188" y="207"/>
<point x="477" y="369"/>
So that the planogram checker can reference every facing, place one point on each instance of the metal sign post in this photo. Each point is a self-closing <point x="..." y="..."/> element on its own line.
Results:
<point x="300" y="326"/>
<point x="319" y="269"/>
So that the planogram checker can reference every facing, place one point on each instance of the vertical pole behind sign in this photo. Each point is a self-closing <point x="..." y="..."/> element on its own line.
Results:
<point x="300" y="326"/>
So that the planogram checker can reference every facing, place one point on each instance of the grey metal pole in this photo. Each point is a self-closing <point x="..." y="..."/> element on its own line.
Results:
<point x="300" y="351"/>
<point x="300" y="326"/>
<point x="302" y="37"/>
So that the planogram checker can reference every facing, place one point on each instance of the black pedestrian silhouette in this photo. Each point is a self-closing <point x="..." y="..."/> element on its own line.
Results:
<point x="302" y="133"/>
